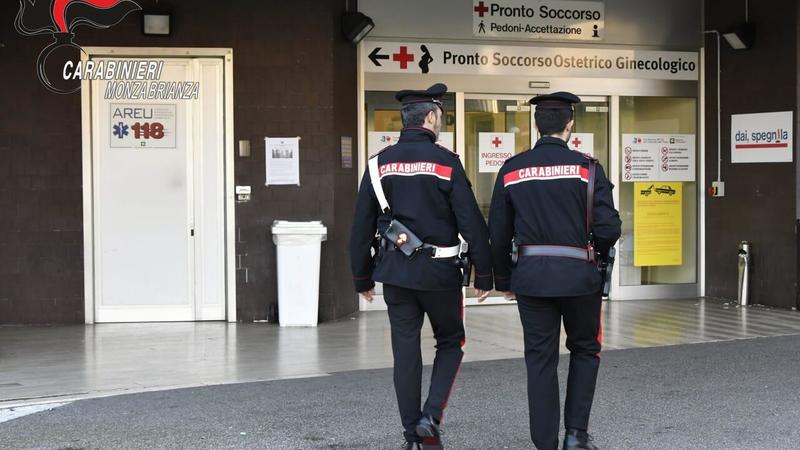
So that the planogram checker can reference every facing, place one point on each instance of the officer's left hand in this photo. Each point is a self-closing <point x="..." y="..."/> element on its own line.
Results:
<point x="482" y="294"/>
<point x="367" y="295"/>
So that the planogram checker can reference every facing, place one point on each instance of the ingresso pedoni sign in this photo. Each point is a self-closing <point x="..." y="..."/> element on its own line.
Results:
<point x="543" y="19"/>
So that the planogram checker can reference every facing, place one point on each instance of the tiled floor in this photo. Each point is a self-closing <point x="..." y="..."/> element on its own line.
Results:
<point x="57" y="363"/>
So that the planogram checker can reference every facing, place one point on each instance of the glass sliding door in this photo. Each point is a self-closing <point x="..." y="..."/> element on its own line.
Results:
<point x="384" y="123"/>
<point x="497" y="127"/>
<point x="591" y="131"/>
<point x="658" y="197"/>
<point x="494" y="130"/>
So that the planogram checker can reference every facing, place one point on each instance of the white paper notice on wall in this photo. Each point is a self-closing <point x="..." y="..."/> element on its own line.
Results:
<point x="493" y="150"/>
<point x="283" y="160"/>
<point x="763" y="137"/>
<point x="658" y="157"/>
<point x="582" y="142"/>
<point x="143" y="125"/>
<point x="378" y="140"/>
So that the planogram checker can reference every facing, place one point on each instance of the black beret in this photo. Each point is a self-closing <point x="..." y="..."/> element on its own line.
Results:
<point x="431" y="95"/>
<point x="556" y="100"/>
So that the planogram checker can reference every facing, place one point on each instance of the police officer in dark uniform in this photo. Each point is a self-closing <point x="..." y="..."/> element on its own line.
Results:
<point x="547" y="239"/>
<point x="427" y="203"/>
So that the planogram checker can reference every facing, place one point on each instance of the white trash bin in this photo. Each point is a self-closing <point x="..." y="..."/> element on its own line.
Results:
<point x="298" y="253"/>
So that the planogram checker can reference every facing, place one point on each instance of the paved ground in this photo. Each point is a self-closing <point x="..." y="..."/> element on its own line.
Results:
<point x="729" y="395"/>
<point x="107" y="359"/>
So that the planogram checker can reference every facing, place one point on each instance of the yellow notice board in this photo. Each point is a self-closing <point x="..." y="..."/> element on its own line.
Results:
<point x="658" y="224"/>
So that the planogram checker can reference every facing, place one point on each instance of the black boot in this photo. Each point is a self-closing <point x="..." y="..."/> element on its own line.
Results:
<point x="412" y="446"/>
<point x="578" y="440"/>
<point x="428" y="430"/>
<point x="428" y="427"/>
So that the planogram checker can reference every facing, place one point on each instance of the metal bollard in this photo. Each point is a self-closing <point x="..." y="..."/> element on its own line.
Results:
<point x="744" y="273"/>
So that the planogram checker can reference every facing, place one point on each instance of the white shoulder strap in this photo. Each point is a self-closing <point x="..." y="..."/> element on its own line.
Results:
<point x="375" y="178"/>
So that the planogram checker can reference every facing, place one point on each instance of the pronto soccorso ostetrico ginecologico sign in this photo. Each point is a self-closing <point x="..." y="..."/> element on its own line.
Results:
<point x="544" y="19"/>
<point x="438" y="58"/>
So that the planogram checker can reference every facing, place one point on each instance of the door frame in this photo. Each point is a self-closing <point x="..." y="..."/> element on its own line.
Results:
<point x="226" y="54"/>
<point x="598" y="90"/>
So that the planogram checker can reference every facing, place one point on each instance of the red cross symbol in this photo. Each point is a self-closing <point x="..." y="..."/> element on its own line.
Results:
<point x="481" y="9"/>
<point x="497" y="141"/>
<point x="403" y="57"/>
<point x="577" y="142"/>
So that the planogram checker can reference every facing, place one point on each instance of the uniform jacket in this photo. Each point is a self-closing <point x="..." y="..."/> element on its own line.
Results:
<point x="428" y="191"/>
<point x="540" y="198"/>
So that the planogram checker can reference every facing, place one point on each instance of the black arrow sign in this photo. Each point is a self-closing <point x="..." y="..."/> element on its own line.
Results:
<point x="375" y="56"/>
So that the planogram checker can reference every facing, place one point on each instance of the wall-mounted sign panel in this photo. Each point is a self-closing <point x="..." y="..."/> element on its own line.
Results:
<point x="551" y="20"/>
<point x="764" y="137"/>
<point x="658" y="224"/>
<point x="421" y="57"/>
<point x="143" y="125"/>
<point x="658" y="157"/>
<point x="493" y="150"/>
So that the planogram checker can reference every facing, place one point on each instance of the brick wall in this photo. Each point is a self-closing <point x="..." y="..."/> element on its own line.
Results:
<point x="759" y="202"/>
<point x="294" y="75"/>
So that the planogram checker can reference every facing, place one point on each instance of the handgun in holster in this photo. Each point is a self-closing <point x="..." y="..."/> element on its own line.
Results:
<point x="463" y="262"/>
<point x="514" y="252"/>
<point x="376" y="249"/>
<point x="606" y="267"/>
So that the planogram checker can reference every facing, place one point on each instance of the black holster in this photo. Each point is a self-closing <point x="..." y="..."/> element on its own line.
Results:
<point x="606" y="267"/>
<point x="465" y="264"/>
<point x="514" y="253"/>
<point x="403" y="238"/>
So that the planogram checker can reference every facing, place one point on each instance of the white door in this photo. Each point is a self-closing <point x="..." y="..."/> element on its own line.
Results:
<point x="159" y="200"/>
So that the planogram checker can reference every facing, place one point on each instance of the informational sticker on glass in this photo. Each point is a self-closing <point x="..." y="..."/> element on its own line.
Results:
<point x="141" y="125"/>
<point x="378" y="140"/>
<point x="470" y="59"/>
<point x="518" y="108"/>
<point x="582" y="142"/>
<point x="283" y="160"/>
<point x="347" y="152"/>
<point x="658" y="157"/>
<point x="763" y="137"/>
<point x="658" y="224"/>
<point x="539" y="19"/>
<point x="493" y="150"/>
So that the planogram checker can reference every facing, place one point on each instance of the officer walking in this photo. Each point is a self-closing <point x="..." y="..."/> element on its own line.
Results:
<point x="417" y="196"/>
<point x="552" y="218"/>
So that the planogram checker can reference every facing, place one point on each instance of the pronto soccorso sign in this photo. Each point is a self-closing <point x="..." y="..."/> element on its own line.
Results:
<point x="417" y="57"/>
<point x="542" y="19"/>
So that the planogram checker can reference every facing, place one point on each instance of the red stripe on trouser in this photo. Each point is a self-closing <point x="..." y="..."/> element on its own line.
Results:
<point x="600" y="330"/>
<point x="463" y="342"/>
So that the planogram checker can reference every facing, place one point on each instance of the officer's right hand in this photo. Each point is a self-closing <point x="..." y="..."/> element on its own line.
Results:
<point x="367" y="295"/>
<point x="509" y="295"/>
<point x="482" y="294"/>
